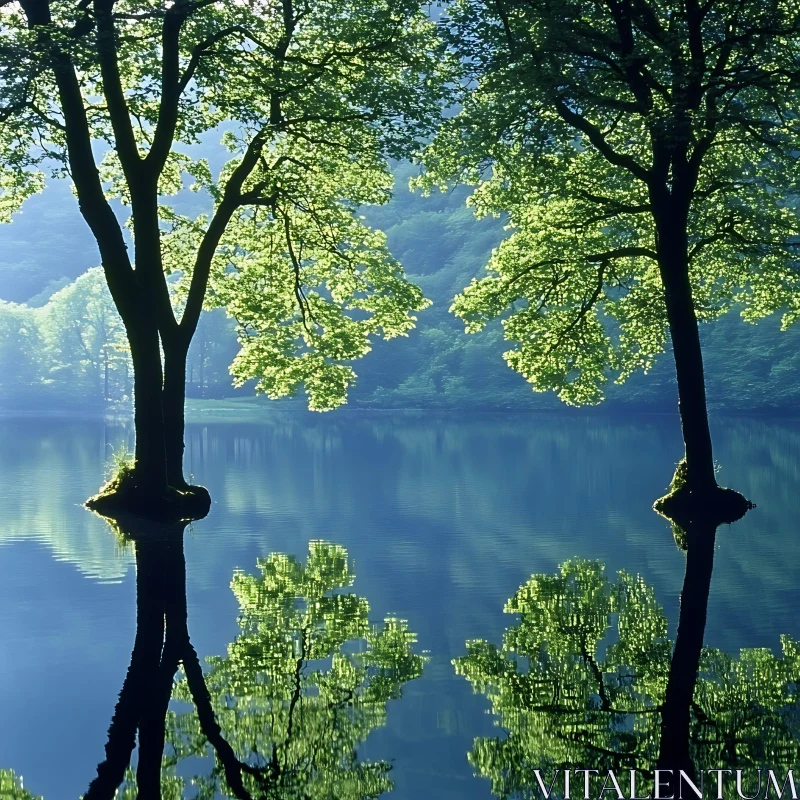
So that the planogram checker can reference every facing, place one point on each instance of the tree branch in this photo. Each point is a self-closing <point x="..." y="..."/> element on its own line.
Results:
<point x="231" y="200"/>
<point x="91" y="199"/>
<point x="170" y="88"/>
<point x="115" y="96"/>
<point x="595" y="136"/>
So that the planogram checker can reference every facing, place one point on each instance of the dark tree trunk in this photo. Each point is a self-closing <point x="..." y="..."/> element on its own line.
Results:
<point x="684" y="331"/>
<point x="173" y="401"/>
<point x="150" y="453"/>
<point x="155" y="487"/>
<point x="676" y="713"/>
<point x="144" y="664"/>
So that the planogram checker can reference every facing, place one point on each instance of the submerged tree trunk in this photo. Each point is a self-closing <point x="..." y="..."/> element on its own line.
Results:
<point x="674" y="267"/>
<point x="694" y="493"/>
<point x="155" y="486"/>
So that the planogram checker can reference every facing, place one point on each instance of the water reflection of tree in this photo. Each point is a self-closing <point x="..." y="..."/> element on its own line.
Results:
<point x="303" y="684"/>
<point x="589" y="678"/>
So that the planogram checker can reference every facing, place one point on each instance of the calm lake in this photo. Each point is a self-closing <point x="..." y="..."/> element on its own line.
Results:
<point x="443" y="519"/>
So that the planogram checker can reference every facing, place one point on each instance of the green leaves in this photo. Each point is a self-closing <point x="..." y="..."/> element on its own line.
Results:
<point x="602" y="131"/>
<point x="15" y="188"/>
<point x="581" y="679"/>
<point x="303" y="684"/>
<point x="308" y="282"/>
<point x="582" y="290"/>
<point x="11" y="787"/>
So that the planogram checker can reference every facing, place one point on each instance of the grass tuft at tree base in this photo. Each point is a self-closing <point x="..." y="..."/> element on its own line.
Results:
<point x="124" y="495"/>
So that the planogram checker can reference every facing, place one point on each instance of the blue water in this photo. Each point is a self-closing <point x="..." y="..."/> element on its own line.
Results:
<point x="443" y="519"/>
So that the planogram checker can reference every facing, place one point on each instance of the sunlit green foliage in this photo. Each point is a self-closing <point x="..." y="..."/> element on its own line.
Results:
<point x="310" y="98"/>
<point x="72" y="349"/>
<point x="583" y="121"/>
<point x="303" y="684"/>
<point x="11" y="787"/>
<point x="15" y="189"/>
<point x="344" y="268"/>
<point x="581" y="678"/>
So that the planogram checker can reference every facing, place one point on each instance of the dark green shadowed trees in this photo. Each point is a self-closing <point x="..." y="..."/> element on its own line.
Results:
<point x="643" y="150"/>
<point x="310" y="98"/>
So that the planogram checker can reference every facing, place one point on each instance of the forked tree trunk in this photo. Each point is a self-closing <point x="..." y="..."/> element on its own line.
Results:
<point x="162" y="644"/>
<point x="684" y="331"/>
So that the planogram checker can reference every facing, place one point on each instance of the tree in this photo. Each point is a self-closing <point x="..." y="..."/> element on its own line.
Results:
<point x="311" y="99"/>
<point x="84" y="337"/>
<point x="274" y="721"/>
<point x="21" y="367"/>
<point x="589" y="678"/>
<point x="643" y="151"/>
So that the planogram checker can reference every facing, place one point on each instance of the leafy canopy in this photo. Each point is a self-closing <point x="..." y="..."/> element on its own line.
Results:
<point x="310" y="99"/>
<point x="608" y="131"/>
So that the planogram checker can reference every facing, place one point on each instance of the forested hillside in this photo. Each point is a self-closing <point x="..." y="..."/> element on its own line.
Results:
<point x="49" y="359"/>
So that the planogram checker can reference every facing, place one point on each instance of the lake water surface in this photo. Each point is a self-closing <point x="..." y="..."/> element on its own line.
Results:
<point x="442" y="518"/>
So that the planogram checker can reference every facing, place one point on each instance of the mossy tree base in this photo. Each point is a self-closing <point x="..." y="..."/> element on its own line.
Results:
<point x="688" y="507"/>
<point x="123" y="496"/>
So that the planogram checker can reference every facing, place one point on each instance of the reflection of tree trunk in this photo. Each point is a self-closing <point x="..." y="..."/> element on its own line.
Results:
<point x="162" y="644"/>
<point x="676" y="711"/>
<point x="145" y="660"/>
<point x="153" y="712"/>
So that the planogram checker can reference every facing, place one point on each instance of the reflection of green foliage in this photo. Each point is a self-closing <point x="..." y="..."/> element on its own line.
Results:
<point x="171" y="784"/>
<point x="305" y="682"/>
<point x="598" y="660"/>
<point x="748" y="709"/>
<point x="11" y="787"/>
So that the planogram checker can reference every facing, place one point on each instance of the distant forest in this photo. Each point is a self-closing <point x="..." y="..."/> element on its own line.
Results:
<point x="62" y="346"/>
